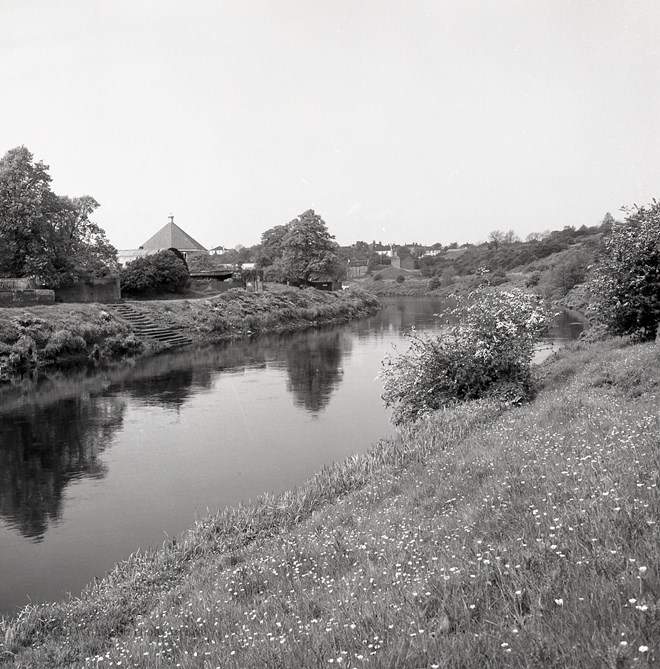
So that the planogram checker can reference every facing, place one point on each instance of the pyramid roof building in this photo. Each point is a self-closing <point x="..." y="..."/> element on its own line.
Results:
<point x="171" y="236"/>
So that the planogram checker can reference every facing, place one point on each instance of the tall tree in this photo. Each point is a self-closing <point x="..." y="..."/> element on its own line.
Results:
<point x="43" y="234"/>
<point x="271" y="248"/>
<point x="309" y="251"/>
<point x="25" y="197"/>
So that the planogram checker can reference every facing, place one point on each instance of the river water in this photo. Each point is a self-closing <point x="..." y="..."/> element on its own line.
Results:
<point x="91" y="469"/>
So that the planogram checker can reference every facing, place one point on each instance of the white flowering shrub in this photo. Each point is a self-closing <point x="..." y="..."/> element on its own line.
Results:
<point x="488" y="350"/>
<point x="625" y="287"/>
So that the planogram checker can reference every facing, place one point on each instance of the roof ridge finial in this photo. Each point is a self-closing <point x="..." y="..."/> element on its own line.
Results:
<point x="171" y="217"/>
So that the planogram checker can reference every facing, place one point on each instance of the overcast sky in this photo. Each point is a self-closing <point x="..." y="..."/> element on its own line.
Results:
<point x="396" y="120"/>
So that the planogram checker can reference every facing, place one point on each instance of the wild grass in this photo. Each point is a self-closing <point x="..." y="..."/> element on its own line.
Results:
<point x="238" y="312"/>
<point x="477" y="538"/>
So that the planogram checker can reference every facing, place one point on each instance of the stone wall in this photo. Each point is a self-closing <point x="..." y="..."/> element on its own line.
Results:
<point x="25" y="297"/>
<point x="104" y="290"/>
<point x="24" y="292"/>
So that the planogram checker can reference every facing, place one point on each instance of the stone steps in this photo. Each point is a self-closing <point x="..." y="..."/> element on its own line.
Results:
<point x="144" y="327"/>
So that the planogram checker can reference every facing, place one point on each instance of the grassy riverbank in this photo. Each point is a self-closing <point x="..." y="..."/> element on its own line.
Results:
<point x="44" y="337"/>
<point x="479" y="537"/>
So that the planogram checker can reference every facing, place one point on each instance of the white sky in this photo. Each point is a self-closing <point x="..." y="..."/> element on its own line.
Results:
<point x="396" y="120"/>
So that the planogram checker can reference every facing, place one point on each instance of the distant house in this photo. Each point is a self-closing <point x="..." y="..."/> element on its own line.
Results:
<point x="169" y="237"/>
<point x="403" y="260"/>
<point x="356" y="267"/>
<point x="415" y="249"/>
<point x="218" y="250"/>
<point x="429" y="253"/>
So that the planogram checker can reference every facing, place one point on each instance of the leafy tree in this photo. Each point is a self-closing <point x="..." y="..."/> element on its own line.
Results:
<point x="571" y="270"/>
<point x="511" y="237"/>
<point x="626" y="283"/>
<point x="75" y="246"/>
<point x="205" y="262"/>
<point x="496" y="238"/>
<point x="489" y="350"/>
<point x="24" y="196"/>
<point x="162" y="272"/>
<point x="271" y="248"/>
<point x="45" y="235"/>
<point x="607" y="222"/>
<point x="309" y="251"/>
<point x="361" y="248"/>
<point x="535" y="236"/>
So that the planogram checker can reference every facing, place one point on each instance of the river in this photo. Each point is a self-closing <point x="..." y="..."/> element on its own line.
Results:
<point x="93" y="469"/>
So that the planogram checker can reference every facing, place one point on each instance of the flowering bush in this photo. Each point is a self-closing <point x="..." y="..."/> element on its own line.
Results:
<point x="625" y="287"/>
<point x="490" y="349"/>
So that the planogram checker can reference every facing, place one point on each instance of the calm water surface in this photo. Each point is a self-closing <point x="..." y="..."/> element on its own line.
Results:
<point x="90" y="472"/>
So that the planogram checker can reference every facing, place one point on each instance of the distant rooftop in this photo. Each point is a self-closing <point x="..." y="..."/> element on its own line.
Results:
<point x="171" y="236"/>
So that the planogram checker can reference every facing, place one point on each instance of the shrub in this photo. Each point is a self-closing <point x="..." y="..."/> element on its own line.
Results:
<point x="37" y="329"/>
<point x="626" y="282"/>
<point x="570" y="271"/>
<point x="378" y="277"/>
<point x="400" y="278"/>
<point x="490" y="349"/>
<point x="533" y="279"/>
<point x="121" y="345"/>
<point x="23" y="354"/>
<point x="434" y="283"/>
<point x="448" y="276"/>
<point x="63" y="342"/>
<point x="162" y="272"/>
<point x="498" y="277"/>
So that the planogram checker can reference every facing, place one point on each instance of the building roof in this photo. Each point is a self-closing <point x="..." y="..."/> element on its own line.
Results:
<point x="124" y="256"/>
<point x="171" y="236"/>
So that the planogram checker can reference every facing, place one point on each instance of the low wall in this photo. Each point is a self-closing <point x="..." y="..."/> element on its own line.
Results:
<point x="17" y="284"/>
<point x="25" y="298"/>
<point x="104" y="290"/>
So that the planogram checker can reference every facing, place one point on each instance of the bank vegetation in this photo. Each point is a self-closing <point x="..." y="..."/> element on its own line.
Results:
<point x="40" y="338"/>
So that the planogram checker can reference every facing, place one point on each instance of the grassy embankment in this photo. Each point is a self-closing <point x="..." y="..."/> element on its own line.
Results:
<point x="552" y="277"/>
<point x="478" y="538"/>
<point x="43" y="337"/>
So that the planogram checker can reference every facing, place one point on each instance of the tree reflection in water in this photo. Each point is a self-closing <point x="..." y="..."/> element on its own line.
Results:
<point x="42" y="449"/>
<point x="58" y="438"/>
<point x="314" y="367"/>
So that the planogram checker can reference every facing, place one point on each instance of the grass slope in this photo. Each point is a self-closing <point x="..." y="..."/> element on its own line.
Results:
<point x="478" y="538"/>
